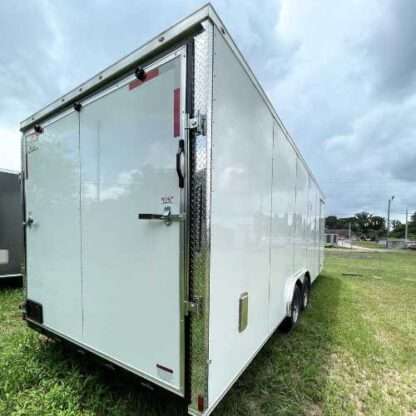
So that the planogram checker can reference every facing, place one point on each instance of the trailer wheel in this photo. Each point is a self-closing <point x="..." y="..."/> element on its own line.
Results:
<point x="290" y="321"/>
<point x="306" y="291"/>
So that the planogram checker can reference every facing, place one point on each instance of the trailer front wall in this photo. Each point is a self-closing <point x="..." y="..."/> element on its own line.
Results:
<point x="263" y="228"/>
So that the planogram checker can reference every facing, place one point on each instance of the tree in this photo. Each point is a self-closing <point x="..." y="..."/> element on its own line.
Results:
<point x="412" y="224"/>
<point x="377" y="223"/>
<point x="363" y="224"/>
<point x="331" y="222"/>
<point x="363" y="220"/>
<point x="396" y="224"/>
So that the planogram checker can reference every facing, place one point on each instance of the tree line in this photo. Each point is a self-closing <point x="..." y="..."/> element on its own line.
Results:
<point x="370" y="226"/>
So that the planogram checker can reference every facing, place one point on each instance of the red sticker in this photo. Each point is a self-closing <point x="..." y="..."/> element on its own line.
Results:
<point x="177" y="112"/>
<point x="149" y="75"/>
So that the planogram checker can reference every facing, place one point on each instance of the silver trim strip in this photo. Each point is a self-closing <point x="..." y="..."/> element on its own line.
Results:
<point x="12" y="172"/>
<point x="5" y="276"/>
<point x="200" y="191"/>
<point x="184" y="225"/>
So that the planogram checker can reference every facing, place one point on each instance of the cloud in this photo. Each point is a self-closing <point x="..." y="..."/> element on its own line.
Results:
<point x="340" y="99"/>
<point x="10" y="149"/>
<point x="392" y="50"/>
<point x="342" y="76"/>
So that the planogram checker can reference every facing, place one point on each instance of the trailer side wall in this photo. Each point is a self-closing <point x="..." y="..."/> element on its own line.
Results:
<point x="264" y="230"/>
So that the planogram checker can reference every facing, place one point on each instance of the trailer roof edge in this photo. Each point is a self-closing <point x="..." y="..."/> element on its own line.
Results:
<point x="12" y="172"/>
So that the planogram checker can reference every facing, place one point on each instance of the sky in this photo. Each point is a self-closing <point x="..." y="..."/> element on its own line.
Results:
<point x="341" y="75"/>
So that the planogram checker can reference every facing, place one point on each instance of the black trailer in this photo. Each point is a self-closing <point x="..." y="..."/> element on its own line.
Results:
<point x="11" y="225"/>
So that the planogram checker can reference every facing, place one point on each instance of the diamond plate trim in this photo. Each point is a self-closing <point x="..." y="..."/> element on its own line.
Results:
<point x="200" y="219"/>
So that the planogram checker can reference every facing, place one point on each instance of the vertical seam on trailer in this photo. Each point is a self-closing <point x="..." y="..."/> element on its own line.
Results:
<point x="295" y="219"/>
<point x="80" y="229"/>
<point x="307" y="227"/>
<point x="24" y="211"/>
<point x="189" y="109"/>
<point x="271" y="226"/>
<point x="209" y="202"/>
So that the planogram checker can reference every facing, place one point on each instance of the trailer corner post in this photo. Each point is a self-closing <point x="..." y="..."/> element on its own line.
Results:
<point x="200" y="189"/>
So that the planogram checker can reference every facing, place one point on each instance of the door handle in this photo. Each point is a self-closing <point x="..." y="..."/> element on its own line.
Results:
<point x="166" y="216"/>
<point x="180" y="163"/>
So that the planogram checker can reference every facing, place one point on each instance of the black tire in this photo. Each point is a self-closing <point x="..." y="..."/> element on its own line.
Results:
<point x="306" y="291"/>
<point x="290" y="321"/>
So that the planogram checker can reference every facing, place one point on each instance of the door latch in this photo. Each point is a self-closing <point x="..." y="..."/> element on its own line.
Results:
<point x="198" y="123"/>
<point x="194" y="305"/>
<point x="166" y="216"/>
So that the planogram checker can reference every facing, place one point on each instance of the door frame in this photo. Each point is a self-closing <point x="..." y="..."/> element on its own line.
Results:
<point x="184" y="206"/>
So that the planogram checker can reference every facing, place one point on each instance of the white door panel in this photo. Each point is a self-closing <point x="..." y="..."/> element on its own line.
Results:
<point x="131" y="267"/>
<point x="53" y="241"/>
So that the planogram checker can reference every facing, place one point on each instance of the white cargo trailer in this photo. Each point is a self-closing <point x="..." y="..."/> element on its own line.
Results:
<point x="172" y="224"/>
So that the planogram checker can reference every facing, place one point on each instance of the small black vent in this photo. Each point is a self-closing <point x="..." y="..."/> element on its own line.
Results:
<point x="34" y="311"/>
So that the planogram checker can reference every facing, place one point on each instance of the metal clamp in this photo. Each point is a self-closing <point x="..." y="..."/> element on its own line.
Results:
<point x="193" y="306"/>
<point x="198" y="123"/>
<point x="29" y="222"/>
<point x="166" y="216"/>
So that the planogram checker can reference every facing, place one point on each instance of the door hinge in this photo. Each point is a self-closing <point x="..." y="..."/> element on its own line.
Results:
<point x="198" y="124"/>
<point x="193" y="306"/>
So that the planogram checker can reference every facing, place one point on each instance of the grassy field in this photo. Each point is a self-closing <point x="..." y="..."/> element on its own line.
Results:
<point x="368" y="244"/>
<point x="353" y="353"/>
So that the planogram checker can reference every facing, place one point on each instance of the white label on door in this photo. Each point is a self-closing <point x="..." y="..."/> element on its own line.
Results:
<point x="4" y="256"/>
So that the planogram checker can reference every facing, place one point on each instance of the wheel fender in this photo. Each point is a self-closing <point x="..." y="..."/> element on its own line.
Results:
<point x="290" y="287"/>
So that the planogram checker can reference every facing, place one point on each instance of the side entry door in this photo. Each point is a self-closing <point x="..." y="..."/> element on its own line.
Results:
<point x="133" y="220"/>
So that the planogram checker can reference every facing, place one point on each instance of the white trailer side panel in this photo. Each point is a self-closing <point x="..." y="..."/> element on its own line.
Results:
<point x="321" y="233"/>
<point x="242" y="138"/>
<point x="300" y="255"/>
<point x="283" y="223"/>
<point x="263" y="227"/>
<point x="310" y="226"/>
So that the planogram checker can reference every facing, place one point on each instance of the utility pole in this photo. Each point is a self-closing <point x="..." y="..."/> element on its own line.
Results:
<point x="349" y="234"/>
<point x="406" y="228"/>
<point x="388" y="220"/>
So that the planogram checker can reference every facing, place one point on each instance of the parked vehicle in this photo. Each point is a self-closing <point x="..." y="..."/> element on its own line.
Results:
<point x="11" y="225"/>
<point x="172" y="224"/>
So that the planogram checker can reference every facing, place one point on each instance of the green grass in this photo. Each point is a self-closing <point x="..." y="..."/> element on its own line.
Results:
<point x="353" y="353"/>
<point x="368" y="244"/>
